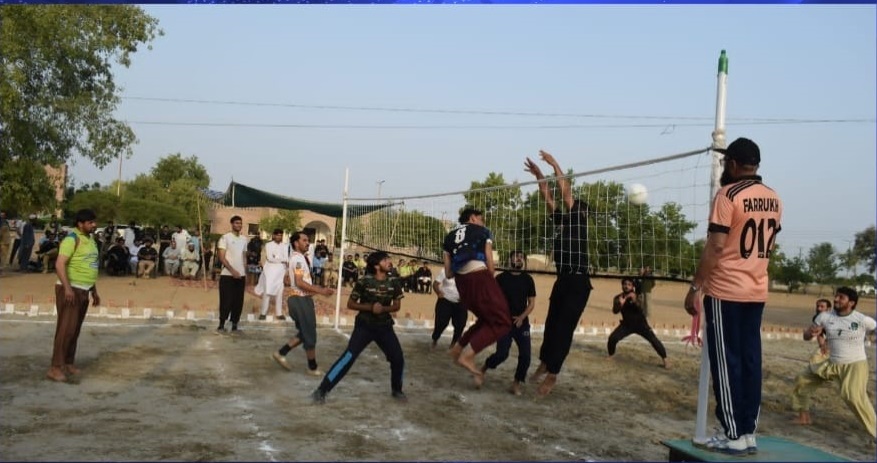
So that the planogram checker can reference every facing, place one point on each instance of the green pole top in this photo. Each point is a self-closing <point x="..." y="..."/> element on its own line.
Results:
<point x="723" y="63"/>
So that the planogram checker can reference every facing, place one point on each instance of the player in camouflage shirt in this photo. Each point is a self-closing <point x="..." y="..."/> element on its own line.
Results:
<point x="376" y="297"/>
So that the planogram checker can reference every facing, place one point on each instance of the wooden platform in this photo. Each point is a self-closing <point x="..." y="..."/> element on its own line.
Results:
<point x="769" y="449"/>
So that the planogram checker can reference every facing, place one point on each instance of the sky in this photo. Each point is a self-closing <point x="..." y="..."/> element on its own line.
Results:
<point x="417" y="100"/>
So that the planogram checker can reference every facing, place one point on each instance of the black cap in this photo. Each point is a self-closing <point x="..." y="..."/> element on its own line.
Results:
<point x="742" y="150"/>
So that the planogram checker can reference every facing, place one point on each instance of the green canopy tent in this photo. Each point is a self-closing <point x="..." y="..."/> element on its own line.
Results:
<point x="238" y="195"/>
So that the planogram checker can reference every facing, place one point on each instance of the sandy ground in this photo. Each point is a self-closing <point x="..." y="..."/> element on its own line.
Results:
<point x="159" y="389"/>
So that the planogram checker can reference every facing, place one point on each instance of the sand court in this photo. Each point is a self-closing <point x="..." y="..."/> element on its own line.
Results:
<point x="169" y="389"/>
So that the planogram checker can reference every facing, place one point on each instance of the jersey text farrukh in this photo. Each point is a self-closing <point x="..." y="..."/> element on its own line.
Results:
<point x="761" y="205"/>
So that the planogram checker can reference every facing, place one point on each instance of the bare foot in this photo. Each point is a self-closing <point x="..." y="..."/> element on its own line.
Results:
<point x="547" y="385"/>
<point x="803" y="419"/>
<point x="455" y="351"/>
<point x="466" y="359"/>
<point x="537" y="375"/>
<point x="666" y="364"/>
<point x="516" y="388"/>
<point x="71" y="370"/>
<point x="478" y="380"/>
<point x="610" y="359"/>
<point x="55" y="374"/>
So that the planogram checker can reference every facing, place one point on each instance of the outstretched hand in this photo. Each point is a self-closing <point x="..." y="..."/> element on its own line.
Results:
<point x="532" y="168"/>
<point x="547" y="157"/>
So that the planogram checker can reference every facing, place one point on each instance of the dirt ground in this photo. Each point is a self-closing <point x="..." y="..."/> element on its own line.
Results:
<point x="159" y="389"/>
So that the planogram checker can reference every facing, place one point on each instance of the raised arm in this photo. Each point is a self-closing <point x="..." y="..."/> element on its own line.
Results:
<point x="534" y="169"/>
<point x="562" y="181"/>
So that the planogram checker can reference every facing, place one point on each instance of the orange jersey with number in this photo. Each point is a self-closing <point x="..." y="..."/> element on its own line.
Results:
<point x="749" y="213"/>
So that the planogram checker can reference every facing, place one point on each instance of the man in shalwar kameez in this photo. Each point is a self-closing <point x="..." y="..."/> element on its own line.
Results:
<point x="272" y="276"/>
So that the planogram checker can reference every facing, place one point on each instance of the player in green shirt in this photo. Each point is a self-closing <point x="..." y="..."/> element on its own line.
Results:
<point x="77" y="268"/>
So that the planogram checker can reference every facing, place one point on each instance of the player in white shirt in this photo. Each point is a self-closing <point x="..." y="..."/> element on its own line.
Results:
<point x="447" y="308"/>
<point x="301" y="306"/>
<point x="845" y="330"/>
<point x="232" y="253"/>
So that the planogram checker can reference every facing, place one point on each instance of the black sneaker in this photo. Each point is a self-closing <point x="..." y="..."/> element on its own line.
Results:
<point x="400" y="396"/>
<point x="262" y="317"/>
<point x="280" y="317"/>
<point x="220" y="331"/>
<point x="318" y="397"/>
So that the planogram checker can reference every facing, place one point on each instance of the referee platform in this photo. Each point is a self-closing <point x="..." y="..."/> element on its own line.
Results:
<point x="769" y="449"/>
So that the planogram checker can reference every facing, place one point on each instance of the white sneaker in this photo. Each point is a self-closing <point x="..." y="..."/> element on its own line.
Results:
<point x="281" y="360"/>
<point x="751" y="444"/>
<point x="722" y="444"/>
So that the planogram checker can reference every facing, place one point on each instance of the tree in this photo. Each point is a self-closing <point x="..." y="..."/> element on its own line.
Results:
<point x="58" y="96"/>
<point x="793" y="273"/>
<point x="151" y="212"/>
<point x="288" y="221"/>
<point x="865" y="279"/>
<point x="864" y="247"/>
<point x="172" y="192"/>
<point x="499" y="202"/>
<point x="104" y="203"/>
<point x="20" y="196"/>
<point x="57" y="93"/>
<point x="849" y="260"/>
<point x="774" y="265"/>
<point x="170" y="169"/>
<point x="822" y="262"/>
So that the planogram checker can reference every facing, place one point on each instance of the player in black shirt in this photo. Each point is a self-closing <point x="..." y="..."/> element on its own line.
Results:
<point x="572" y="288"/>
<point x="633" y="320"/>
<point x="520" y="292"/>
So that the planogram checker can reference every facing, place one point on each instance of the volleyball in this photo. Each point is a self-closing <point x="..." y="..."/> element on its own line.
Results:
<point x="637" y="193"/>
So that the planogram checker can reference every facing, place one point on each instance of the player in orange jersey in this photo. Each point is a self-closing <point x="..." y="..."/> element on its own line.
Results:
<point x="732" y="276"/>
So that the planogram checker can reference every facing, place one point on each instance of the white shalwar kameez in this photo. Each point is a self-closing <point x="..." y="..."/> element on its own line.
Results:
<point x="271" y="279"/>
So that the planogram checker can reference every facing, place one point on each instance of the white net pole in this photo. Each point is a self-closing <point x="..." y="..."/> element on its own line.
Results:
<point x="700" y="430"/>
<point x="340" y="260"/>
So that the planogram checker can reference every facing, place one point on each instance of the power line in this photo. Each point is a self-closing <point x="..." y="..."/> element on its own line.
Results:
<point x="486" y="112"/>
<point x="465" y="127"/>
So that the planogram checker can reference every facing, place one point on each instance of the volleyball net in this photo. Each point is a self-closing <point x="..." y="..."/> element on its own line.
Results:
<point x="663" y="230"/>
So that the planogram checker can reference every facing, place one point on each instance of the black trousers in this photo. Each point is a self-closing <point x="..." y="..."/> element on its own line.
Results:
<point x="521" y="336"/>
<point x="231" y="299"/>
<point x="449" y="312"/>
<point x="363" y="335"/>
<point x="568" y="299"/>
<point x="643" y="329"/>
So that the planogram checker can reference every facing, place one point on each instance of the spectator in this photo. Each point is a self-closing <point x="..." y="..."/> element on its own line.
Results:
<point x="254" y="257"/>
<point x="349" y="272"/>
<point x="171" y="257"/>
<point x="189" y="256"/>
<point x="424" y="279"/>
<point x="27" y="242"/>
<point x="117" y="257"/>
<point x="48" y="250"/>
<point x="147" y="257"/>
